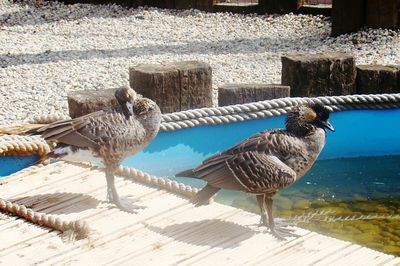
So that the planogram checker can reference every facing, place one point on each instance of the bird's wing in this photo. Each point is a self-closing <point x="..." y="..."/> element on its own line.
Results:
<point x="276" y="142"/>
<point x="87" y="131"/>
<point x="250" y="171"/>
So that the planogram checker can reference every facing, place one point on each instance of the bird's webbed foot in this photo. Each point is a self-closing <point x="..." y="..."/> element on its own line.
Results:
<point x="125" y="204"/>
<point x="282" y="233"/>
<point x="112" y="195"/>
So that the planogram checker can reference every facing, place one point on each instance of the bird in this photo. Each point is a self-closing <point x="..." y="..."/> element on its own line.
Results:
<point x="109" y="135"/>
<point x="266" y="162"/>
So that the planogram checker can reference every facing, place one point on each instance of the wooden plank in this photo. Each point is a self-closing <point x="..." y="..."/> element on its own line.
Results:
<point x="33" y="172"/>
<point x="310" y="252"/>
<point x="362" y="256"/>
<point x="43" y="234"/>
<point x="393" y="262"/>
<point x="41" y="182"/>
<point x="99" y="234"/>
<point x="170" y="219"/>
<point x="285" y="248"/>
<point x="184" y="239"/>
<point x="168" y="230"/>
<point x="153" y="238"/>
<point x="123" y="224"/>
<point x="339" y="254"/>
<point x="231" y="252"/>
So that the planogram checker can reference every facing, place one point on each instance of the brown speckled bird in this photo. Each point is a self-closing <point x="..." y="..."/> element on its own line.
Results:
<point x="266" y="162"/>
<point x="109" y="135"/>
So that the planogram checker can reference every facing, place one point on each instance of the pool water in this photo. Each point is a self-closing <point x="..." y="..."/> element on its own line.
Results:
<point x="12" y="164"/>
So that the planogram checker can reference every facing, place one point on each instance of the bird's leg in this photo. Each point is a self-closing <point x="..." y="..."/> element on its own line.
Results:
<point x="279" y="233"/>
<point x="260" y="200"/>
<point x="112" y="195"/>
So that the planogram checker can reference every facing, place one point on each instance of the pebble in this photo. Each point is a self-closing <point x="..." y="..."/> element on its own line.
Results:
<point x="47" y="51"/>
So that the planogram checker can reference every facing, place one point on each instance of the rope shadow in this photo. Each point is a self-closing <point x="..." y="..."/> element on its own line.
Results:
<point x="57" y="203"/>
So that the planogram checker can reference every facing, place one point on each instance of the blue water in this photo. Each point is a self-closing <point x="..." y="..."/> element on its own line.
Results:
<point x="12" y="164"/>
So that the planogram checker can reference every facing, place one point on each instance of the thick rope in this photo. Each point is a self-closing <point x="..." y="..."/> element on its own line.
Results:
<point x="263" y="109"/>
<point x="79" y="228"/>
<point x="158" y="182"/>
<point x="150" y="180"/>
<point x="369" y="99"/>
<point x="47" y="119"/>
<point x="23" y="145"/>
<point x="270" y="108"/>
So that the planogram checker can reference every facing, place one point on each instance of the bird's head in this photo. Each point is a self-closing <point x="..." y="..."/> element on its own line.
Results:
<point x="302" y="119"/>
<point x="126" y="98"/>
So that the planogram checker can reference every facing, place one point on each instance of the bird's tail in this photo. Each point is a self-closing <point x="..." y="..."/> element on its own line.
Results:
<point x="186" y="173"/>
<point x="204" y="195"/>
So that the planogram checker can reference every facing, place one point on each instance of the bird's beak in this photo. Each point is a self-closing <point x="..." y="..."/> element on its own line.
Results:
<point x="328" y="125"/>
<point x="129" y="106"/>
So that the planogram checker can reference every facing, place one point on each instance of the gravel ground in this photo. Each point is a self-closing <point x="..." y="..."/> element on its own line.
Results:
<point x="48" y="51"/>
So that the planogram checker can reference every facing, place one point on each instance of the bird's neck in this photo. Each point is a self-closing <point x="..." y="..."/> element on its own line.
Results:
<point x="300" y="129"/>
<point x="151" y="122"/>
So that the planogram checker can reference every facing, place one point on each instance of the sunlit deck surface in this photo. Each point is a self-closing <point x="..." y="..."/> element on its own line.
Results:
<point x="167" y="231"/>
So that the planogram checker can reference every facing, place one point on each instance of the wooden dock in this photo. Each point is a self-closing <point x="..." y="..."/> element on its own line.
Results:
<point x="167" y="231"/>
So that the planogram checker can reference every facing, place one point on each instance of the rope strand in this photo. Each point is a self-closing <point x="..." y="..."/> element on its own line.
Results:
<point x="80" y="228"/>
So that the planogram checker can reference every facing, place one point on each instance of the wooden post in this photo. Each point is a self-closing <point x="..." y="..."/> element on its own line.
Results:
<point x="381" y="13"/>
<point x="205" y="5"/>
<point x="279" y="6"/>
<point x="319" y="74"/>
<point x="175" y="86"/>
<point x="137" y="3"/>
<point x="377" y="79"/>
<point x="87" y="101"/>
<point x="347" y="16"/>
<point x="229" y="94"/>
<point x="185" y="4"/>
<point x="160" y="3"/>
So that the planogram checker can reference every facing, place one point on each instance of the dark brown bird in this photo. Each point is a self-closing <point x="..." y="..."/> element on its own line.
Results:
<point x="266" y="162"/>
<point x="109" y="135"/>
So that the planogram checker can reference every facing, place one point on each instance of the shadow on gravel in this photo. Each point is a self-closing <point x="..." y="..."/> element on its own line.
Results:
<point x="234" y="46"/>
<point x="76" y="10"/>
<point x="49" y="13"/>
